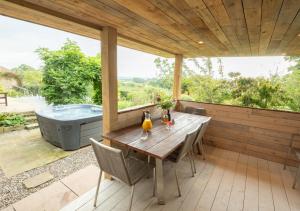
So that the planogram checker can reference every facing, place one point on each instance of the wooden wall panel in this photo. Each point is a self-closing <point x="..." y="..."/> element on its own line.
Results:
<point x="262" y="133"/>
<point x="133" y="116"/>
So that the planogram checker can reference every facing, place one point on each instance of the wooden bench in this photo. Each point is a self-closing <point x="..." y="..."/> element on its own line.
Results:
<point x="3" y="95"/>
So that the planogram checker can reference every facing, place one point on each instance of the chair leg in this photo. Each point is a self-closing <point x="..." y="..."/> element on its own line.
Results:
<point x="198" y="148"/>
<point x="192" y="156"/>
<point x="131" y="198"/>
<point x="178" y="188"/>
<point x="154" y="182"/>
<point x="191" y="162"/>
<point x="148" y="161"/>
<point x="98" y="188"/>
<point x="202" y="149"/>
<point x="296" y="177"/>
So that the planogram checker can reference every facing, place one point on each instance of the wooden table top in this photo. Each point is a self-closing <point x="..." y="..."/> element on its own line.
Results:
<point x="161" y="141"/>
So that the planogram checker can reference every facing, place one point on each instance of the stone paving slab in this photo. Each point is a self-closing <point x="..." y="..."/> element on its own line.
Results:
<point x="9" y="208"/>
<point x="25" y="150"/>
<point x="83" y="180"/>
<point x="51" y="198"/>
<point x="38" y="180"/>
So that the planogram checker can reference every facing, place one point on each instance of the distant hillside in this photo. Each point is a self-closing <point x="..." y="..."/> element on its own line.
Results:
<point x="9" y="79"/>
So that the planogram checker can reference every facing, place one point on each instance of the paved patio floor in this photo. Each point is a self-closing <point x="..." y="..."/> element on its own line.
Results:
<point x="24" y="150"/>
<point x="60" y="193"/>
<point x="23" y="104"/>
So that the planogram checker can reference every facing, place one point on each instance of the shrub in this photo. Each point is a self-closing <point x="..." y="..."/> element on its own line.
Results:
<point x="8" y="120"/>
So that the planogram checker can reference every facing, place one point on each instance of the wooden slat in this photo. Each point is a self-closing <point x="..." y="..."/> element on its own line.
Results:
<point x="265" y="196"/>
<point x="235" y="11"/>
<point x="290" y="35"/>
<point x="252" y="11"/>
<point x="236" y="201"/>
<point x="217" y="9"/>
<point x="270" y="11"/>
<point x="286" y="16"/>
<point x="203" y="12"/>
<point x="279" y="196"/>
<point x="263" y="133"/>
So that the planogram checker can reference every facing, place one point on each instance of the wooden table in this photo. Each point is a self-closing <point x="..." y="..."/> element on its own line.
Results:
<point x="160" y="143"/>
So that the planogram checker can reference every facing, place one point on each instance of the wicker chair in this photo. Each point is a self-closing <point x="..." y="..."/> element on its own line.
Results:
<point x="296" y="152"/>
<point x="112" y="161"/>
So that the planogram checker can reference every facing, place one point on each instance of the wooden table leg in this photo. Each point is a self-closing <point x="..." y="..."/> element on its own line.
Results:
<point x="159" y="181"/>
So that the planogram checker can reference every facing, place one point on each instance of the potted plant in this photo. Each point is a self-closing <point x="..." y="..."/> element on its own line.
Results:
<point x="166" y="104"/>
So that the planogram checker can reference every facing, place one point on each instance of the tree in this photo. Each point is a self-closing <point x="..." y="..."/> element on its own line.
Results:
<point x="31" y="78"/>
<point x="68" y="73"/>
<point x="292" y="81"/>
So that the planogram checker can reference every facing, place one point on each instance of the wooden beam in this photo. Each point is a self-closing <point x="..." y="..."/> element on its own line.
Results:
<point x="109" y="78"/>
<point x="177" y="77"/>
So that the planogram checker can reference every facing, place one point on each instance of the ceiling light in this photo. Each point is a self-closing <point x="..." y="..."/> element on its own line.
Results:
<point x="298" y="35"/>
<point x="200" y="42"/>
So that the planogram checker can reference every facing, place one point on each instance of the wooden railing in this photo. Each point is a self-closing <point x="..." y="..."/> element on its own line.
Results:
<point x="259" y="132"/>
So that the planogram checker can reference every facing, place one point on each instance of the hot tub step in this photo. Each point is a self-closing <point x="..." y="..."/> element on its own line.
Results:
<point x="31" y="126"/>
<point x="28" y="113"/>
<point x="30" y="119"/>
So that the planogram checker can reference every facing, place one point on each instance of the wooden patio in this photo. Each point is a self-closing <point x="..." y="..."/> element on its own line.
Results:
<point x="225" y="181"/>
<point x="250" y="176"/>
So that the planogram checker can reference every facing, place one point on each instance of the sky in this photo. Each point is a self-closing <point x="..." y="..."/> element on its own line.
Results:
<point x="20" y="39"/>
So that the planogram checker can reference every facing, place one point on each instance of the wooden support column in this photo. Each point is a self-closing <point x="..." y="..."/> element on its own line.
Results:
<point x="177" y="77"/>
<point x="109" y="78"/>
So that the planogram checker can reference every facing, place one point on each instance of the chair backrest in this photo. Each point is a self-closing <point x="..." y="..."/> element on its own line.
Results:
<point x="202" y="130"/>
<point x="193" y="110"/>
<point x="111" y="161"/>
<point x="188" y="143"/>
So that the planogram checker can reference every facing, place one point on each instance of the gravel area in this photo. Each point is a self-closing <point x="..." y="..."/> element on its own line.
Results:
<point x="13" y="190"/>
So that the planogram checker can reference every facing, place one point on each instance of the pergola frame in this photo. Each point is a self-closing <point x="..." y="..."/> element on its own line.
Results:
<point x="185" y="28"/>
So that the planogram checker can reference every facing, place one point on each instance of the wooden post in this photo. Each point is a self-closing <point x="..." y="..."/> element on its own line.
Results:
<point x="109" y="78"/>
<point x="177" y="77"/>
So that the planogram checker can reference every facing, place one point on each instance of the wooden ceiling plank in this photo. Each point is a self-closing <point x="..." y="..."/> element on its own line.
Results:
<point x="183" y="39"/>
<point x="85" y="12"/>
<point x="235" y="11"/>
<point x="203" y="21"/>
<point x="196" y="24"/>
<point x="294" y="47"/>
<point x="185" y="26"/>
<point x="286" y="16"/>
<point x="218" y="11"/>
<point x="270" y="12"/>
<point x="123" y="22"/>
<point x="150" y="12"/>
<point x="292" y="32"/>
<point x="252" y="11"/>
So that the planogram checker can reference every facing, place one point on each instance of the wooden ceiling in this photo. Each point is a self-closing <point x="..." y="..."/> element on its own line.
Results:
<point x="193" y="28"/>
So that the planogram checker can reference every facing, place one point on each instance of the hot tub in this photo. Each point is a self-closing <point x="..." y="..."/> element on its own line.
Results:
<point x="70" y="126"/>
